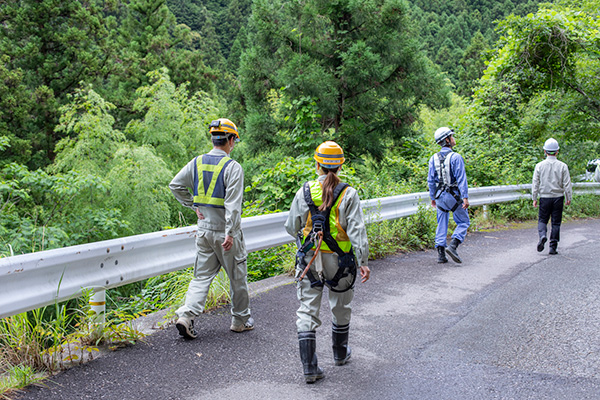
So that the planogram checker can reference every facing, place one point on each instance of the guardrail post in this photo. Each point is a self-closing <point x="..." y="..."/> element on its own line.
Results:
<point x="485" y="212"/>
<point x="98" y="306"/>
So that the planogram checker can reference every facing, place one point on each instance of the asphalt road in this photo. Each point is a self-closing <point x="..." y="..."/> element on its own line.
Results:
<point x="510" y="323"/>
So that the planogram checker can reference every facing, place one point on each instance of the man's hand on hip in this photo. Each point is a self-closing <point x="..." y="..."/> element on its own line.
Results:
<point x="228" y="243"/>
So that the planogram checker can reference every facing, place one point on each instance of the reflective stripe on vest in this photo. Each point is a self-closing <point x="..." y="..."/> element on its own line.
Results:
<point x="336" y="230"/>
<point x="209" y="181"/>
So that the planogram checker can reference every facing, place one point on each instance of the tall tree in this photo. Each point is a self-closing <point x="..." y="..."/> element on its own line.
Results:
<point x="357" y="61"/>
<point x="54" y="44"/>
<point x="473" y="65"/>
<point x="149" y="39"/>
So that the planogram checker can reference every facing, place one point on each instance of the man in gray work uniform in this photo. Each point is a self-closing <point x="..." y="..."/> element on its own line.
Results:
<point x="552" y="183"/>
<point x="217" y="183"/>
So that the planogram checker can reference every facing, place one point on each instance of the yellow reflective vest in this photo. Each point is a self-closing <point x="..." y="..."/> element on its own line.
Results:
<point x="209" y="183"/>
<point x="336" y="230"/>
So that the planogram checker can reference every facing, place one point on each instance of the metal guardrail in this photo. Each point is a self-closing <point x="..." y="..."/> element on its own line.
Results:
<point x="34" y="280"/>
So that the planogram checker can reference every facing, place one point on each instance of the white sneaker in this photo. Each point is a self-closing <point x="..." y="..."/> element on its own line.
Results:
<point x="248" y="326"/>
<point x="185" y="326"/>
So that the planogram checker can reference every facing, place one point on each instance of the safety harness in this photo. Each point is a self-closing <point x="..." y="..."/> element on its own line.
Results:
<point x="445" y="183"/>
<point x="320" y="233"/>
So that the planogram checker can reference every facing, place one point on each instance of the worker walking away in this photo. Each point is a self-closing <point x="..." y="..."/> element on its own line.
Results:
<point x="327" y="220"/>
<point x="552" y="184"/>
<point x="448" y="191"/>
<point x="217" y="184"/>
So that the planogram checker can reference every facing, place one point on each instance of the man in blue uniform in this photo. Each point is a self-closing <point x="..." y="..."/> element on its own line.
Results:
<point x="448" y="192"/>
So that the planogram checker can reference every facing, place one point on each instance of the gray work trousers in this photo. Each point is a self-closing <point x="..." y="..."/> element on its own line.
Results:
<point x="210" y="257"/>
<point x="310" y="297"/>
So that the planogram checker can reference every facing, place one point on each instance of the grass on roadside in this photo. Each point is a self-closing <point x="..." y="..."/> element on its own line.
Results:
<point x="32" y="347"/>
<point x="16" y="378"/>
<point x="41" y="342"/>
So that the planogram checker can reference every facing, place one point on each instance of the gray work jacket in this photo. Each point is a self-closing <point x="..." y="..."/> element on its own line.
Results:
<point x="551" y="179"/>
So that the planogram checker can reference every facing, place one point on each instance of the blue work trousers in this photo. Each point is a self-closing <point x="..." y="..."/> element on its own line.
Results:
<point x="460" y="215"/>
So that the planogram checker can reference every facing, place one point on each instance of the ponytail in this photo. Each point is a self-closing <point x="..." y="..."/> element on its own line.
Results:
<point x="331" y="181"/>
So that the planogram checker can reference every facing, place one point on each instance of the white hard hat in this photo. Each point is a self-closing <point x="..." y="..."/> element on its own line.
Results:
<point x="551" y="145"/>
<point x="442" y="133"/>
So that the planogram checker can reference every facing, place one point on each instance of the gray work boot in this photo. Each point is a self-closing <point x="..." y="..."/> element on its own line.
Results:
<point x="308" y="346"/>
<point x="339" y="339"/>
<point x="442" y="255"/>
<point x="541" y="244"/>
<point x="452" y="250"/>
<point x="247" y="326"/>
<point x="185" y="326"/>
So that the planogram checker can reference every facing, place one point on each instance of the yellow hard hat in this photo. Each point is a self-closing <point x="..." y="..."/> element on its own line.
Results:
<point x="329" y="154"/>
<point x="223" y="125"/>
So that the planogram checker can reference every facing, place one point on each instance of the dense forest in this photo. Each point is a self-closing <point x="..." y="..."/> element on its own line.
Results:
<point x="103" y="101"/>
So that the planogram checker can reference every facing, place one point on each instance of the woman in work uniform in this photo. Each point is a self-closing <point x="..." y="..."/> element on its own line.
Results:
<point x="327" y="220"/>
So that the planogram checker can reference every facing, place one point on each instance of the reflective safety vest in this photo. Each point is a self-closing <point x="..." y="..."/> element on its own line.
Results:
<point x="209" y="181"/>
<point x="335" y="229"/>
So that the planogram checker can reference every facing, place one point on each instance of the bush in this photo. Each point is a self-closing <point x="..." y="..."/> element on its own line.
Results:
<point x="416" y="232"/>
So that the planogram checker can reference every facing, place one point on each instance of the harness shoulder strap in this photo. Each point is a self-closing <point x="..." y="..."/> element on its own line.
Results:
<point x="308" y="198"/>
<point x="438" y="160"/>
<point x="443" y="168"/>
<point x="448" y="167"/>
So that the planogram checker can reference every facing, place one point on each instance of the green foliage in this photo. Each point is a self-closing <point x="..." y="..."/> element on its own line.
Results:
<point x="416" y="232"/>
<point x="473" y="65"/>
<point x="16" y="104"/>
<point x="91" y="139"/>
<point x="169" y="290"/>
<point x="137" y="173"/>
<point x="139" y="188"/>
<point x="17" y="377"/>
<point x="150" y="38"/>
<point x="583" y="207"/>
<point x="454" y="33"/>
<point x="275" y="187"/>
<point x="43" y="341"/>
<point x="270" y="262"/>
<point x="51" y="45"/>
<point x="174" y="122"/>
<point x="4" y="142"/>
<point x="538" y="85"/>
<point x="28" y="224"/>
<point x="358" y="61"/>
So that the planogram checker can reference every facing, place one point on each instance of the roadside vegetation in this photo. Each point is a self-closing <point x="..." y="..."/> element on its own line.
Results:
<point x="90" y="137"/>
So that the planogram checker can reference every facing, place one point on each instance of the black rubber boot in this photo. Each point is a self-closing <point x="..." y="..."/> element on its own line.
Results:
<point x="553" y="246"/>
<point x="442" y="255"/>
<point x="308" y="346"/>
<point x="339" y="339"/>
<point x="452" y="250"/>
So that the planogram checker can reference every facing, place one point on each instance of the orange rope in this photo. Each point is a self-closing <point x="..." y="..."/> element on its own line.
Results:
<point x="320" y="236"/>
